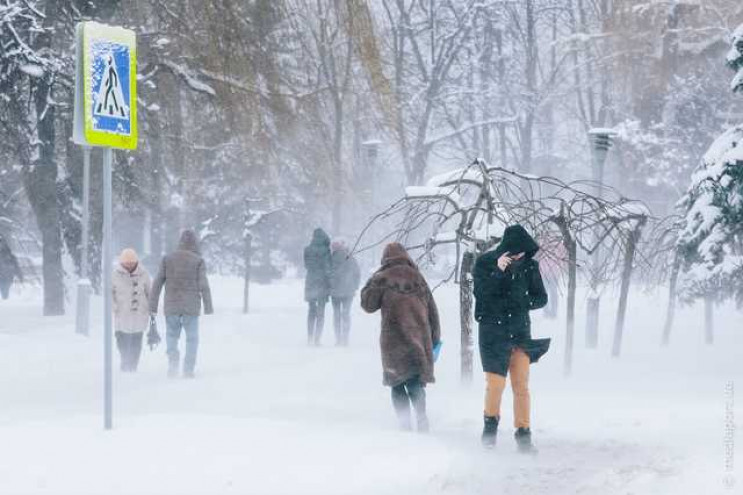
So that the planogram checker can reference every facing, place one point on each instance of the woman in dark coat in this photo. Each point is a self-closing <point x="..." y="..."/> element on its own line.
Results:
<point x="507" y="285"/>
<point x="317" y="262"/>
<point x="410" y="330"/>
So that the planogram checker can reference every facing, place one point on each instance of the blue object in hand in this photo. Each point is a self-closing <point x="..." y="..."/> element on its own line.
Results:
<point x="437" y="350"/>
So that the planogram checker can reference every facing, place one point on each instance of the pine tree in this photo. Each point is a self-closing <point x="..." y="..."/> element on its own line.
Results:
<point x="711" y="242"/>
<point x="735" y="59"/>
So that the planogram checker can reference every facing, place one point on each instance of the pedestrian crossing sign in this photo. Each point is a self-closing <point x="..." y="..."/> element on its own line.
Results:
<point x="106" y="113"/>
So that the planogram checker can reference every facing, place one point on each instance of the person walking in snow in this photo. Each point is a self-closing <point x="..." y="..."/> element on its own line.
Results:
<point x="9" y="268"/>
<point x="507" y="285"/>
<point x="131" y="292"/>
<point x="317" y="262"/>
<point x="183" y="274"/>
<point x="345" y="280"/>
<point x="410" y="330"/>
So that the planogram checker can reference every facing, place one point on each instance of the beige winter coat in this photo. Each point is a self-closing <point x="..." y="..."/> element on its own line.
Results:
<point x="131" y="292"/>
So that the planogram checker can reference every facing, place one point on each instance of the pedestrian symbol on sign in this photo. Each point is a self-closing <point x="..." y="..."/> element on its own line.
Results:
<point x="111" y="96"/>
<point x="110" y="100"/>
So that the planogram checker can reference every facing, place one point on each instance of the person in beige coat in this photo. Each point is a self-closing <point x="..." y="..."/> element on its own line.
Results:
<point x="131" y="292"/>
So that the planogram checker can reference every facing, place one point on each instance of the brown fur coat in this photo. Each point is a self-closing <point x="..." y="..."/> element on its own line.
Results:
<point x="410" y="320"/>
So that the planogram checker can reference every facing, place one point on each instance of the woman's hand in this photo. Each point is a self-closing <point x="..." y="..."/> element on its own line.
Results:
<point x="504" y="261"/>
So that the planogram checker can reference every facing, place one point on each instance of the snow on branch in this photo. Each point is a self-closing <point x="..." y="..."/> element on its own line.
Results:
<point x="186" y="75"/>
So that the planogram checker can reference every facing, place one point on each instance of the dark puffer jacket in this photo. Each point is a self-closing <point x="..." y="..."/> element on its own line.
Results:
<point x="410" y="319"/>
<point x="183" y="273"/>
<point x="318" y="264"/>
<point x="346" y="276"/>
<point x="504" y="299"/>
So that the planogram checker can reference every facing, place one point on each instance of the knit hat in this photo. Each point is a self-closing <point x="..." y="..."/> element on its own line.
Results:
<point x="128" y="255"/>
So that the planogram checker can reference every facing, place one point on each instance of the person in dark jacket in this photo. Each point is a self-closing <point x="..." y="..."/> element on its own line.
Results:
<point x="410" y="330"/>
<point x="507" y="285"/>
<point x="317" y="262"/>
<point x="9" y="269"/>
<point x="344" y="282"/>
<point x="183" y="273"/>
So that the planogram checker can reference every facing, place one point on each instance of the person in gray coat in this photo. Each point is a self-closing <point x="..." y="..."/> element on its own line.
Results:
<point x="183" y="273"/>
<point x="344" y="282"/>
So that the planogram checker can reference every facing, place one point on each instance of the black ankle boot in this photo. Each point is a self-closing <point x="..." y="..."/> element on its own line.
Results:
<point x="523" y="440"/>
<point x="490" y="431"/>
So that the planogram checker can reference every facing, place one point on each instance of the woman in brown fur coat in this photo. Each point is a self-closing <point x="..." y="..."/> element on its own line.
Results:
<point x="410" y="330"/>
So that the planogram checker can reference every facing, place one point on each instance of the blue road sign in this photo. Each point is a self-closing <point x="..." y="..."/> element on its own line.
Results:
<point x="110" y="80"/>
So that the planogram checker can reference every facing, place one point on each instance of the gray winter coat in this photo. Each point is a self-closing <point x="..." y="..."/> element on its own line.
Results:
<point x="346" y="276"/>
<point x="183" y="273"/>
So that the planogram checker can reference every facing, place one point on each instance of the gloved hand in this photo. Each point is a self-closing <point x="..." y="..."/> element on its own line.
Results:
<point x="153" y="337"/>
<point x="437" y="350"/>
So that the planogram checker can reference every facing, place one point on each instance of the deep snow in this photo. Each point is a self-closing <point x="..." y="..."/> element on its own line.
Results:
<point x="268" y="415"/>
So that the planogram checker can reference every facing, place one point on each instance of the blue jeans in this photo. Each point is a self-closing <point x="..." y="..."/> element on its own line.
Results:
<point x="190" y="324"/>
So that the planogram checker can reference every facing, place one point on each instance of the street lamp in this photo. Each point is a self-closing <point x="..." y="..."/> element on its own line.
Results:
<point x="370" y="152"/>
<point x="601" y="140"/>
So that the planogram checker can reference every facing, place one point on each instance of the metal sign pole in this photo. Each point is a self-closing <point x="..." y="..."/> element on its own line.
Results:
<point x="107" y="290"/>
<point x="105" y="115"/>
<point x="82" y="326"/>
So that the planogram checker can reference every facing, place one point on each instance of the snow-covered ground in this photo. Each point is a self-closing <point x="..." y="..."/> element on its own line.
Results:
<point x="268" y="415"/>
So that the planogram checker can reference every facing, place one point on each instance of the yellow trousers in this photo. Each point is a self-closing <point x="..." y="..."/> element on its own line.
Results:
<point x="518" y="369"/>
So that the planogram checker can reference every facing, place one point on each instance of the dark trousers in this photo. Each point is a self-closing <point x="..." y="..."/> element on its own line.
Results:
<point x="130" y="348"/>
<point x="316" y="320"/>
<point x="403" y="395"/>
<point x="342" y="319"/>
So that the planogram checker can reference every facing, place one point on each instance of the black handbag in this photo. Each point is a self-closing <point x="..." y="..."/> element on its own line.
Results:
<point x="153" y="337"/>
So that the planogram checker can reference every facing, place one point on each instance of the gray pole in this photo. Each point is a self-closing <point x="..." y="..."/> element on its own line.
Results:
<point x="600" y="143"/>
<point x="107" y="290"/>
<point x="82" y="320"/>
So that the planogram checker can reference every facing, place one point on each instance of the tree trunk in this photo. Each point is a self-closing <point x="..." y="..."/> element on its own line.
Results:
<point x="572" y="250"/>
<point x="465" y="312"/>
<point x="40" y="181"/>
<point x="248" y="257"/>
<point x="337" y="171"/>
<point x="572" y="286"/>
<point x="671" y="308"/>
<point x="592" y="322"/>
<point x="709" y="320"/>
<point x="629" y="258"/>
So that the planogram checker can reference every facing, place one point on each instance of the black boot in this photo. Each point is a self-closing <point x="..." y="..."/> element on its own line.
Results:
<point x="490" y="431"/>
<point x="401" y="403"/>
<point x="523" y="440"/>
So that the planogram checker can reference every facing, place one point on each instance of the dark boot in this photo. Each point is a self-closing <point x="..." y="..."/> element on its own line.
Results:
<point x="417" y="394"/>
<point x="401" y="403"/>
<point x="523" y="440"/>
<point x="490" y="431"/>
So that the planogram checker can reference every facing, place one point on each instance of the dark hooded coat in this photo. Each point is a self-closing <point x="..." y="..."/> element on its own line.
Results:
<point x="410" y="319"/>
<point x="317" y="262"/>
<point x="504" y="299"/>
<point x="183" y="273"/>
<point x="346" y="275"/>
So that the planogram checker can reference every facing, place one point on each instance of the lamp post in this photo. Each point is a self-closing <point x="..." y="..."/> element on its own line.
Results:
<point x="82" y="316"/>
<point x="370" y="150"/>
<point x="600" y="139"/>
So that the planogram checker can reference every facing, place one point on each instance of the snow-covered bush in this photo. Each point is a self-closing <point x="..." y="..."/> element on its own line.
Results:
<point x="711" y="242"/>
